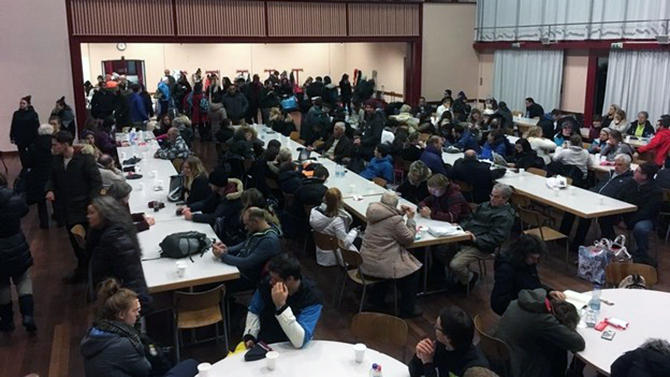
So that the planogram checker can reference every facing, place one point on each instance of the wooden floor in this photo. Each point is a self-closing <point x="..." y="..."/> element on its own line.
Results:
<point x="63" y="316"/>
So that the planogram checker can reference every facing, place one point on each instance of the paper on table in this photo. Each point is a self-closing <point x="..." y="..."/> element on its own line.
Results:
<point x="579" y="300"/>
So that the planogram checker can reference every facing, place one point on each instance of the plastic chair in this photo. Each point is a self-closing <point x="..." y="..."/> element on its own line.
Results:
<point x="615" y="272"/>
<point x="381" y="329"/>
<point x="493" y="348"/>
<point x="199" y="309"/>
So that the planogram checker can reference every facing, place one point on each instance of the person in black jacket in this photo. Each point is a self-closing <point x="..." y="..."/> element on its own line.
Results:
<point x="290" y="178"/>
<point x="316" y="124"/>
<point x="373" y="125"/>
<point x="196" y="183"/>
<point x="338" y="146"/>
<point x="268" y="100"/>
<point x="15" y="260"/>
<point x="66" y="116"/>
<point x="225" y="201"/>
<point x="113" y="247"/>
<point x="476" y="173"/>
<point x="533" y="109"/>
<point x="39" y="171"/>
<point x="452" y="351"/>
<point x="310" y="193"/>
<point x="516" y="269"/>
<point x="23" y="131"/>
<point x="345" y="92"/>
<point x="651" y="359"/>
<point x="113" y="347"/>
<point x="525" y="157"/>
<point x="103" y="101"/>
<point x="236" y="104"/>
<point x="415" y="188"/>
<point x="74" y="181"/>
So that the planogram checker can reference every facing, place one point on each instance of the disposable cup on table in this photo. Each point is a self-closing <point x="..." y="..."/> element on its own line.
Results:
<point x="204" y="369"/>
<point x="271" y="360"/>
<point x="359" y="352"/>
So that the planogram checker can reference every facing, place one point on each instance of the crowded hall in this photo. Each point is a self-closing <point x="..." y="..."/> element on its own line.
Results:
<point x="398" y="188"/>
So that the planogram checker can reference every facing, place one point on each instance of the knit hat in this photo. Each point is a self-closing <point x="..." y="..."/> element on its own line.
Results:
<point x="27" y="98"/>
<point x="218" y="178"/>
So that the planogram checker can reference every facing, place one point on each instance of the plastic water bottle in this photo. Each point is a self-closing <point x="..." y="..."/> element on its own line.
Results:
<point x="376" y="370"/>
<point x="133" y="136"/>
<point x="594" y="303"/>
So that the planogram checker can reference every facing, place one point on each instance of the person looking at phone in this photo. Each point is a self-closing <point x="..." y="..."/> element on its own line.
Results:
<point x="452" y="351"/>
<point x="285" y="306"/>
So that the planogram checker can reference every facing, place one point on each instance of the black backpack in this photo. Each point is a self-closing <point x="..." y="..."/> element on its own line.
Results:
<point x="184" y="244"/>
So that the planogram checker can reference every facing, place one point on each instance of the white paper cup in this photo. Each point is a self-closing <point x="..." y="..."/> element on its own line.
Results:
<point x="181" y="268"/>
<point x="204" y="369"/>
<point x="271" y="359"/>
<point x="359" y="352"/>
<point x="123" y="156"/>
<point x="521" y="171"/>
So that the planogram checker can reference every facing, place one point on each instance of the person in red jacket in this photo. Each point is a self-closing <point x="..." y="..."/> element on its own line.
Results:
<point x="445" y="203"/>
<point x="660" y="144"/>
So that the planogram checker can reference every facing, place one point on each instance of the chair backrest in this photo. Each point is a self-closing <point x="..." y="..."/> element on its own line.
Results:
<point x="352" y="259"/>
<point x="379" y="328"/>
<point x="531" y="217"/>
<point x="324" y="241"/>
<point x="615" y="272"/>
<point x="537" y="171"/>
<point x="379" y="181"/>
<point x="194" y="301"/>
<point x="494" y="348"/>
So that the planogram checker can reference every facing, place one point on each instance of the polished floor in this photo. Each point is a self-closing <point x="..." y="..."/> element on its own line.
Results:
<point x="63" y="315"/>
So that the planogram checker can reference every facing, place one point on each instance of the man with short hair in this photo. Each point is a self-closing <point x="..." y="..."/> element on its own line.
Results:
<point x="488" y="226"/>
<point x="235" y="103"/>
<point x="641" y="127"/>
<point x="224" y="202"/>
<point x="251" y="255"/>
<point x="109" y="172"/>
<point x="477" y="174"/>
<point x="286" y="306"/>
<point x="310" y="193"/>
<point x="338" y="146"/>
<point x="176" y="147"/>
<point x="432" y="156"/>
<point x="660" y="144"/>
<point x="538" y="330"/>
<point x="380" y="166"/>
<point x="75" y="180"/>
<point x="464" y="138"/>
<point x="138" y="113"/>
<point x="533" y="109"/>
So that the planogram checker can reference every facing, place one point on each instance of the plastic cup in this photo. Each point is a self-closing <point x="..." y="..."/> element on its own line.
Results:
<point x="271" y="359"/>
<point x="359" y="352"/>
<point x="181" y="268"/>
<point x="204" y="369"/>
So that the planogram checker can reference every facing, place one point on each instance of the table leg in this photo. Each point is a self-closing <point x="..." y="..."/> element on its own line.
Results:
<point x="427" y="263"/>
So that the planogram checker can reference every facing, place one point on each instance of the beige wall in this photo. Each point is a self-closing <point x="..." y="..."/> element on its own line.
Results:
<point x="35" y="59"/>
<point x="575" y="66"/>
<point x="317" y="59"/>
<point x="449" y="61"/>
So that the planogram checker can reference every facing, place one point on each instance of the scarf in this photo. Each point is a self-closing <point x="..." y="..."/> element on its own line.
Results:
<point x="122" y="329"/>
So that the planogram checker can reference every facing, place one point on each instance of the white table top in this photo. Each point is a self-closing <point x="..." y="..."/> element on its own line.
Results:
<point x="359" y="208"/>
<point x="525" y="121"/>
<point x="580" y="202"/>
<point x="643" y="309"/>
<point x="319" y="358"/>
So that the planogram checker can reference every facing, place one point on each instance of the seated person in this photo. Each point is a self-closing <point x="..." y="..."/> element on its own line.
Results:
<point x="285" y="307"/>
<point x="310" y="193"/>
<point x="542" y="146"/>
<point x="432" y="156"/>
<point x="495" y="142"/>
<point x="415" y="188"/>
<point x="284" y="155"/>
<point x="574" y="155"/>
<point x="561" y="138"/>
<point x="120" y="191"/>
<point x="476" y="173"/>
<point x="224" y="201"/>
<point x="489" y="225"/>
<point x="615" y="146"/>
<point x="380" y="166"/>
<point x="281" y="122"/>
<point x="660" y="143"/>
<point x="385" y="255"/>
<point x="599" y="143"/>
<point x="538" y="331"/>
<point x="114" y="347"/>
<point x="524" y="156"/>
<point x="452" y="352"/>
<point x="338" y="146"/>
<point x="251" y="255"/>
<point x="445" y="202"/>
<point x="464" y="138"/>
<point x="516" y="269"/>
<point x="109" y="172"/>
<point x="196" y="183"/>
<point x="290" y="178"/>
<point x="641" y="127"/>
<point x="331" y="219"/>
<point x="176" y="147"/>
<point x="413" y="149"/>
<point x="651" y="359"/>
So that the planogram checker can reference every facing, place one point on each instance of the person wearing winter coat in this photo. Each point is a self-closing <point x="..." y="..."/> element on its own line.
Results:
<point x="113" y="247"/>
<point x="380" y="166"/>
<point x="310" y="193"/>
<point x="103" y="137"/>
<point x="103" y="101"/>
<point x="176" y="147"/>
<point x="280" y="122"/>
<point x="64" y="112"/>
<point x="109" y="173"/>
<point x="651" y="359"/>
<point x="224" y="201"/>
<point x="345" y="92"/>
<point x="415" y="188"/>
<point x="251" y="255"/>
<point x="196" y="181"/>
<point x="268" y="100"/>
<point x="541" y="145"/>
<point x="539" y="330"/>
<point x="601" y="141"/>
<point x="338" y="146"/>
<point x="496" y="142"/>
<point x="236" y="104"/>
<point x="464" y="138"/>
<point x="372" y="128"/>
<point x="113" y="347"/>
<point x="525" y="157"/>
<point x="432" y="156"/>
<point x="23" y="130"/>
<point x="574" y="155"/>
<point x="290" y="178"/>
<point x="384" y="252"/>
<point x="181" y="89"/>
<point x="163" y="93"/>
<point x="39" y="171"/>
<point x="641" y="127"/>
<point x="15" y="260"/>
<point x="516" y="270"/>
<point x="198" y="114"/>
<point x="615" y="146"/>
<point x="331" y="219"/>
<point x="138" y="113"/>
<point x="445" y="202"/>
<point x="660" y="143"/>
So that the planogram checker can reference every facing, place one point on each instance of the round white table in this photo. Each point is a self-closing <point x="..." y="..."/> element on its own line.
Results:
<point x="646" y="312"/>
<point x="319" y="358"/>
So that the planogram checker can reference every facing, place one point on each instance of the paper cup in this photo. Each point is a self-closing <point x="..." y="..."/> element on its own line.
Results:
<point x="359" y="352"/>
<point x="204" y="369"/>
<point x="181" y="268"/>
<point x="521" y="171"/>
<point x="271" y="359"/>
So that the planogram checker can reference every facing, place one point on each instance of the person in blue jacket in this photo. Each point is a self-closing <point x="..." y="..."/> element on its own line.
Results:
<point x="464" y="138"/>
<point x="495" y="142"/>
<point x="285" y="307"/>
<point x="432" y="156"/>
<point x="138" y="113"/>
<point x="164" y="100"/>
<point x="381" y="165"/>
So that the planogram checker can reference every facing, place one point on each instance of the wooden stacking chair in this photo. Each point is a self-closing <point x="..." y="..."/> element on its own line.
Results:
<point x="379" y="181"/>
<point x="379" y="328"/>
<point x="615" y="272"/>
<point x="494" y="349"/>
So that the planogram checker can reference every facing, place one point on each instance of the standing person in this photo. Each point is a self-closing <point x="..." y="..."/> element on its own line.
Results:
<point x="74" y="181"/>
<point x="163" y="96"/>
<point x="64" y="112"/>
<point x="345" y="92"/>
<point x="198" y="113"/>
<point x="23" y="131"/>
<point x="39" y="171"/>
<point x="138" y="113"/>
<point x="171" y="80"/>
<point x="268" y="100"/>
<point x="15" y="260"/>
<point x="181" y="90"/>
<point x="236" y="104"/>
<point x="253" y="93"/>
<point x="148" y="103"/>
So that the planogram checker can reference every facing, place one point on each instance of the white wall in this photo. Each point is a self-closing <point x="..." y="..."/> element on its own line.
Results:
<point x="317" y="59"/>
<point x="35" y="59"/>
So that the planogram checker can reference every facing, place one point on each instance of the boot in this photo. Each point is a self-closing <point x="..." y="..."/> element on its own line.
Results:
<point x="27" y="305"/>
<point x="6" y="318"/>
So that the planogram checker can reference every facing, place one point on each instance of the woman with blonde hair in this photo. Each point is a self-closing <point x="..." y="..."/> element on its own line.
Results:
<point x="541" y="145"/>
<point x="280" y="122"/>
<point x="619" y="123"/>
<point x="196" y="183"/>
<point x="607" y="118"/>
<point x="331" y="219"/>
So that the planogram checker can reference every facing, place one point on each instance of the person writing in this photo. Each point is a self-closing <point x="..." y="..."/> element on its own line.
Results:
<point x="445" y="202"/>
<point x="286" y="306"/>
